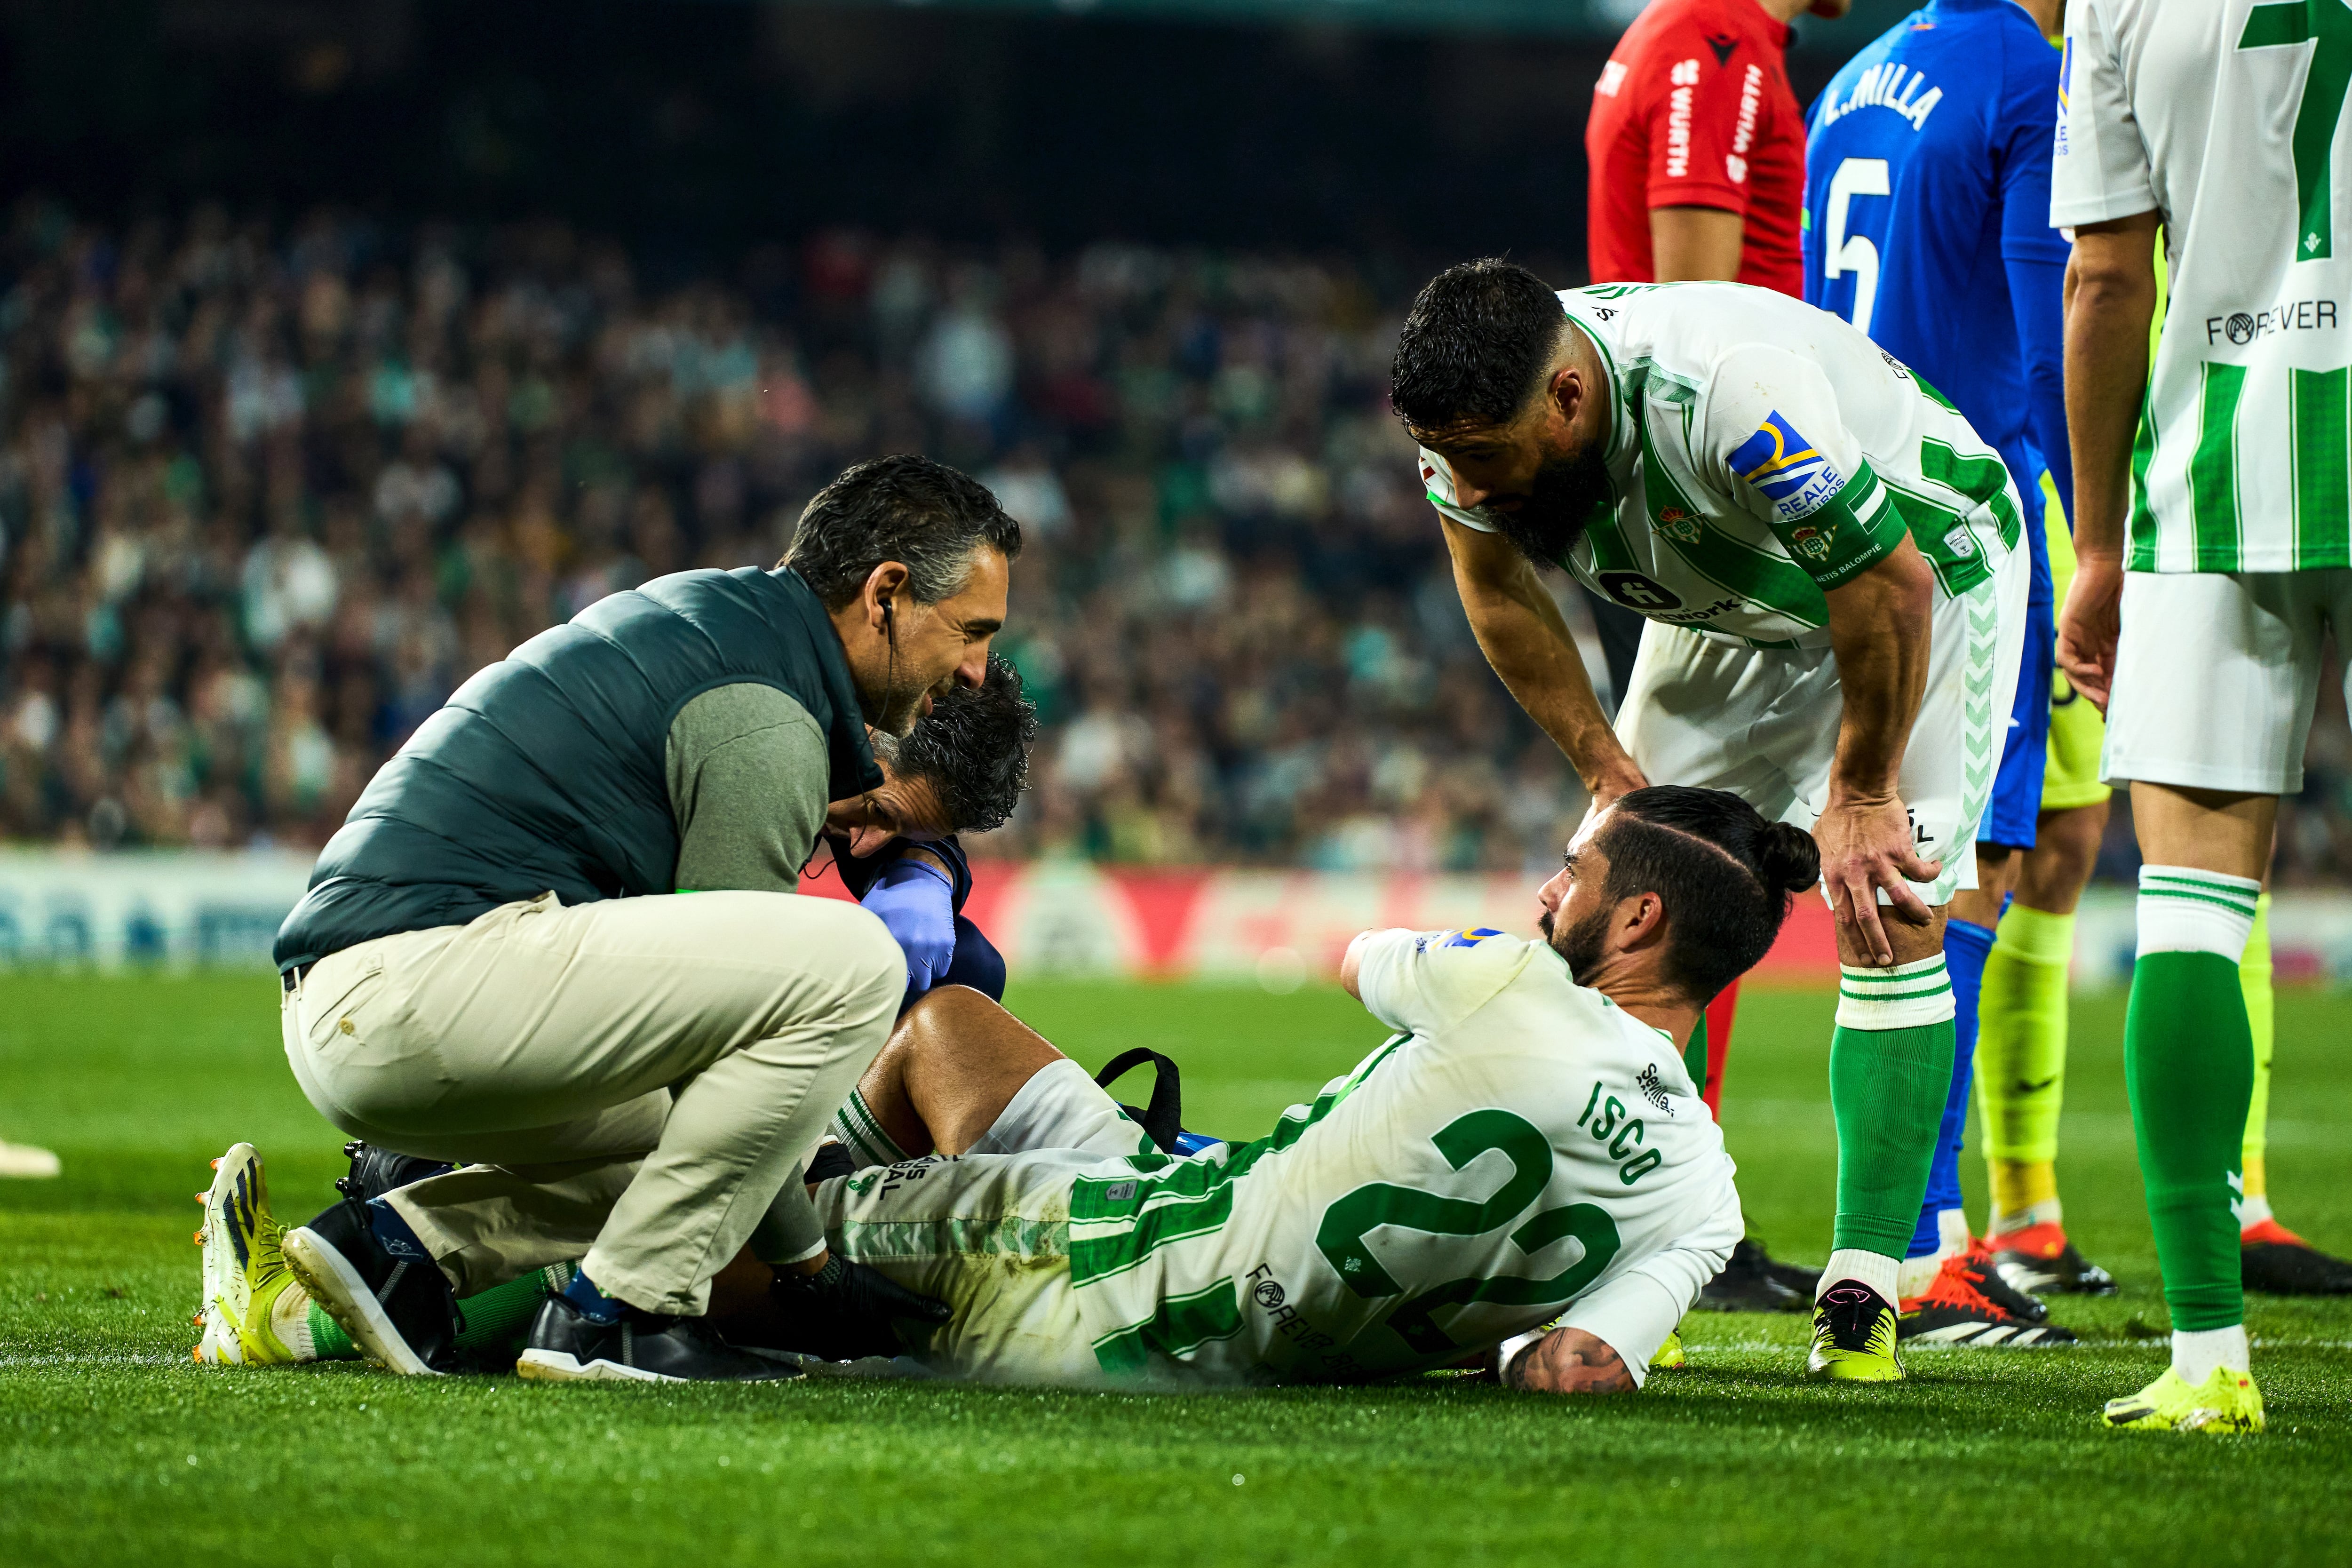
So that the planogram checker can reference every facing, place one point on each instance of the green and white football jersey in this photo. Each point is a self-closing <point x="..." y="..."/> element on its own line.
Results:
<point x="2225" y="116"/>
<point x="1760" y="452"/>
<point x="1520" y="1144"/>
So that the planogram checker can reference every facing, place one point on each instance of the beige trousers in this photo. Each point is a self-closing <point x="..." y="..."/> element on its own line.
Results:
<point x="641" y="1073"/>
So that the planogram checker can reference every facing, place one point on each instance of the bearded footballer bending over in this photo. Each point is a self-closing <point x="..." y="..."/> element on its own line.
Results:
<point x="1526" y="1140"/>
<point x="1828" y="556"/>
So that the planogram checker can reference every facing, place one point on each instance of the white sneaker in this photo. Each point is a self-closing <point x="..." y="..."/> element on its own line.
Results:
<point x="24" y="1160"/>
<point x="218" y="1346"/>
<point x="246" y="1276"/>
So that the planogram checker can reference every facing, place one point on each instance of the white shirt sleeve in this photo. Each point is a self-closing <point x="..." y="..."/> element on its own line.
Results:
<point x="1772" y="434"/>
<point x="1423" y="981"/>
<point x="1634" y="1314"/>
<point x="2099" y="167"/>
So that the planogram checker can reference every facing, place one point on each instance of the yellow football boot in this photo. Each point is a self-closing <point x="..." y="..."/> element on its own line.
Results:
<point x="246" y="1276"/>
<point x="2226" y="1402"/>
<point x="1853" y="1336"/>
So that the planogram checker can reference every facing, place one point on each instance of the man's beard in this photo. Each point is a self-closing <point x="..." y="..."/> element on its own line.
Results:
<point x="1580" y="944"/>
<point x="1566" y="493"/>
<point x="901" y="707"/>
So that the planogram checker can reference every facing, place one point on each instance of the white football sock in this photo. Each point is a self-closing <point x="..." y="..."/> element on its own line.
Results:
<point x="1952" y="1238"/>
<point x="2182" y="910"/>
<point x="1874" y="1269"/>
<point x="855" y="1129"/>
<point x="289" y="1320"/>
<point x="2252" y="1211"/>
<point x="2049" y="1211"/>
<point x="2195" y="1354"/>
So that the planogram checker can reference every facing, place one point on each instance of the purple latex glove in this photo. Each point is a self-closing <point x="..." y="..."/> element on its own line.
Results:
<point x="917" y="901"/>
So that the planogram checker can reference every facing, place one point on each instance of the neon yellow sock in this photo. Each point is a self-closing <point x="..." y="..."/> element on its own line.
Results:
<point x="2262" y="1019"/>
<point x="2019" y="1189"/>
<point x="2022" y="1056"/>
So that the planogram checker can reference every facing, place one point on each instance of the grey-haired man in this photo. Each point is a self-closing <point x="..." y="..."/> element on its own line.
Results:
<point x="480" y="973"/>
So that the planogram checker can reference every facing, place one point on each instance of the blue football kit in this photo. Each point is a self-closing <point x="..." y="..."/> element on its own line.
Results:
<point x="1928" y="226"/>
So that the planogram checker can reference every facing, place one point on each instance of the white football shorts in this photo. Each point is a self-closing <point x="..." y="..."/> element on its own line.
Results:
<point x="988" y="1232"/>
<point x="2217" y="674"/>
<point x="1763" y="722"/>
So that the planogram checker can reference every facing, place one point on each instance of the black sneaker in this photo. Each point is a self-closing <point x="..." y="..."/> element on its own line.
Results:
<point x="568" y="1346"/>
<point x="1967" y="1304"/>
<point x="1806" y="1282"/>
<point x="2039" y="1260"/>
<point x="400" y="1311"/>
<point x="2274" y="1260"/>
<point x="377" y="1170"/>
<point x="1997" y="1289"/>
<point x="1749" y="1284"/>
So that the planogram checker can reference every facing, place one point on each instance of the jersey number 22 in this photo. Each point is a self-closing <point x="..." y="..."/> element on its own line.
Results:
<point x="1348" y="1223"/>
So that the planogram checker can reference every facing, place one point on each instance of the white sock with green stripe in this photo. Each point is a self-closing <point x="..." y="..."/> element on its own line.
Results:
<point x="861" y="1133"/>
<point x="1890" y="1073"/>
<point x="1903" y="997"/>
<point x="2182" y="910"/>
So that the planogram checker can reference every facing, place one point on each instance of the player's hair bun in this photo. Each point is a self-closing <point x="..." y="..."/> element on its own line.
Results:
<point x="1726" y="873"/>
<point x="1788" y="858"/>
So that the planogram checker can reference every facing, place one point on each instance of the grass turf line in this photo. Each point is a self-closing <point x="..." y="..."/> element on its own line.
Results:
<point x="114" y="1448"/>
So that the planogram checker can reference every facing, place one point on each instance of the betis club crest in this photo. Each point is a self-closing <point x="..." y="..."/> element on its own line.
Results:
<point x="1807" y="539"/>
<point x="1677" y="525"/>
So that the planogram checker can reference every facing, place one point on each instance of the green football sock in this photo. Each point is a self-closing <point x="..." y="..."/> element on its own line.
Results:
<point x="2261" y="1013"/>
<point x="2021" y="1054"/>
<point x="2189" y="1064"/>
<point x="1694" y="1054"/>
<point x="1890" y="1072"/>
<point x="495" y="1320"/>
<point x="328" y="1341"/>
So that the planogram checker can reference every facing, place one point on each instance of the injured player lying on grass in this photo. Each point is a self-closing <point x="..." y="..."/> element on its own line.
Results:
<point x="1526" y="1141"/>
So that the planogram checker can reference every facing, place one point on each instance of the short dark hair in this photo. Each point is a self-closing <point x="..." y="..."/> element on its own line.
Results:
<point x="973" y="747"/>
<point x="901" y="507"/>
<point x="1475" y="346"/>
<point x="1726" y="874"/>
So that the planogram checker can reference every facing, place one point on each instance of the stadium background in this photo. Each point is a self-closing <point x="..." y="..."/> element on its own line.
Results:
<point x="342" y="347"/>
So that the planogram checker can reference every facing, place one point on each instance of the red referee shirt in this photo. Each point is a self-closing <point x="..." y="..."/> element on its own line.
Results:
<point x="1694" y="110"/>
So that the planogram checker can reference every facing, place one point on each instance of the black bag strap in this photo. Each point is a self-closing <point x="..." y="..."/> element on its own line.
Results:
<point x="1163" y="1119"/>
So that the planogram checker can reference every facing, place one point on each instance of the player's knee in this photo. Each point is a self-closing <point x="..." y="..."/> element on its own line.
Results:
<point x="938" y="1019"/>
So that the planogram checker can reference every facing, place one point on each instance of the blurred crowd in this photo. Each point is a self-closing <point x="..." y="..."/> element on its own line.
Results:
<point x="269" y="494"/>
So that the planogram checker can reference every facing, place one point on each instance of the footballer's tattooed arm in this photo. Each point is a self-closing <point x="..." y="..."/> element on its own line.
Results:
<point x="1568" y="1360"/>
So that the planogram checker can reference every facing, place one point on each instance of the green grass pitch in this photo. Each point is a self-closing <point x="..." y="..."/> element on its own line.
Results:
<point x="114" y="1448"/>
